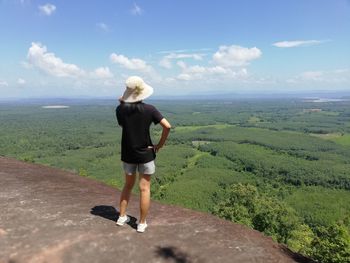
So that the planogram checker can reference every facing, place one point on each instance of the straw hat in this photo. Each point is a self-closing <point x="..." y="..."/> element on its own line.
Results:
<point x="136" y="90"/>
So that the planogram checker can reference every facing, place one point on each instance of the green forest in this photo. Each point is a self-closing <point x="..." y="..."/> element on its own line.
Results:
<point x="281" y="166"/>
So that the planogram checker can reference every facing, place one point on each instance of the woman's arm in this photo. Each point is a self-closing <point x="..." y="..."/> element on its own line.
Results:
<point x="117" y="111"/>
<point x="166" y="129"/>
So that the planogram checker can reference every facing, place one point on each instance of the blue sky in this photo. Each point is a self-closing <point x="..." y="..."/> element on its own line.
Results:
<point x="88" y="48"/>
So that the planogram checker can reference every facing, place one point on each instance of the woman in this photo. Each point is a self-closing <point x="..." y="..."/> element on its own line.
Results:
<point x="137" y="151"/>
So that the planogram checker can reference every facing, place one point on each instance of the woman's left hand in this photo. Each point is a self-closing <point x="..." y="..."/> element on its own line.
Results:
<point x="157" y="147"/>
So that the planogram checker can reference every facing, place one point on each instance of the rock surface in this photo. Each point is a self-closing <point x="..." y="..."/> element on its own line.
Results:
<point x="49" y="215"/>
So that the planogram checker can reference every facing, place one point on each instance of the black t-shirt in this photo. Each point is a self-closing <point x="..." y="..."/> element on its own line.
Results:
<point x="136" y="135"/>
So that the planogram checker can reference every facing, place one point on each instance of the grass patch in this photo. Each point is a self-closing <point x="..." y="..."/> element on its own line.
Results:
<point x="320" y="205"/>
<point x="342" y="140"/>
<point x="198" y="143"/>
<point x="327" y="136"/>
<point x="193" y="128"/>
<point x="253" y="119"/>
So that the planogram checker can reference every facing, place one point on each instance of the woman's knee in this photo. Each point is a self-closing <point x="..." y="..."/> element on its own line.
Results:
<point x="144" y="187"/>
<point x="129" y="181"/>
<point x="128" y="186"/>
<point x="145" y="183"/>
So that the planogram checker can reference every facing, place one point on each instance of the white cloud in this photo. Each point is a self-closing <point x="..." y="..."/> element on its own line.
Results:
<point x="165" y="62"/>
<point x="343" y="70"/>
<point x="102" y="73"/>
<point x="195" y="56"/>
<point x="48" y="62"/>
<point x="331" y="76"/>
<point x="181" y="64"/>
<point x="184" y="50"/>
<point x="217" y="70"/>
<point x="199" y="72"/>
<point x="311" y="75"/>
<point x="38" y="57"/>
<point x="111" y="82"/>
<point x="26" y="65"/>
<point x="136" y="10"/>
<point x="225" y="59"/>
<point x="21" y="81"/>
<point x="3" y="83"/>
<point x="103" y="27"/>
<point x="184" y="76"/>
<point x="136" y="64"/>
<point x="131" y="63"/>
<point x="47" y="9"/>
<point x="298" y="43"/>
<point x="229" y="63"/>
<point x="235" y="56"/>
<point x="173" y="51"/>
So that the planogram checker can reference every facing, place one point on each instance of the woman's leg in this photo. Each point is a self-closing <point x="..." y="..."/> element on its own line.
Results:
<point x="125" y="196"/>
<point x="145" y="195"/>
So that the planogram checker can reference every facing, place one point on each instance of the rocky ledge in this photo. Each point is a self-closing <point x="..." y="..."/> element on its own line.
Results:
<point x="49" y="215"/>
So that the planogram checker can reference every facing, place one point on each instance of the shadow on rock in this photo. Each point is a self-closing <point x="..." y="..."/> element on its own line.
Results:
<point x="172" y="253"/>
<point x="297" y="257"/>
<point x="109" y="212"/>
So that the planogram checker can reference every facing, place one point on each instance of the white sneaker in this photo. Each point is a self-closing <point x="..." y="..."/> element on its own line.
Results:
<point x="122" y="220"/>
<point x="141" y="227"/>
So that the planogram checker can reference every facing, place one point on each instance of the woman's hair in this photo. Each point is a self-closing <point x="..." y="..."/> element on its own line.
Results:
<point x="132" y="107"/>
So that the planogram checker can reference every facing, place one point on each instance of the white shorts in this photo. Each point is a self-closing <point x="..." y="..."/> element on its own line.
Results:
<point x="142" y="168"/>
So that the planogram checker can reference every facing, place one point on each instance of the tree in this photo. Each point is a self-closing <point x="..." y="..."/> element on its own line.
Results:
<point x="300" y="239"/>
<point x="245" y="205"/>
<point x="332" y="244"/>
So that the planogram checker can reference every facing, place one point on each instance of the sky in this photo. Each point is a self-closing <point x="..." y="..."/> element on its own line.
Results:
<point x="89" y="48"/>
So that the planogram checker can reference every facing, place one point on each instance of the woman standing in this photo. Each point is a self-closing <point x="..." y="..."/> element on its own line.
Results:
<point x="137" y="151"/>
